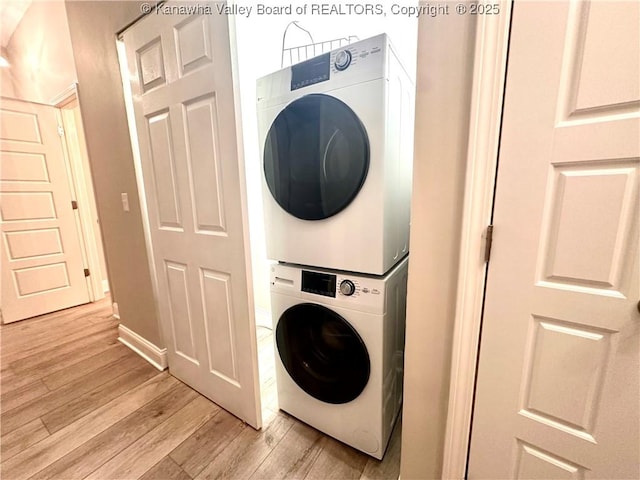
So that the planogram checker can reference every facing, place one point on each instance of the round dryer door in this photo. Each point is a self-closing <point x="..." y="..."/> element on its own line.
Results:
<point x="322" y="353"/>
<point x="316" y="157"/>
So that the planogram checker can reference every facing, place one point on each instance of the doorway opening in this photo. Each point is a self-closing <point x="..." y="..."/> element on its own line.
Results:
<point x="52" y="253"/>
<point x="184" y="196"/>
<point x="80" y="170"/>
<point x="52" y="250"/>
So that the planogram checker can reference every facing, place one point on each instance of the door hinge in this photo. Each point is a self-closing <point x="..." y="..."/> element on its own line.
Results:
<point x="61" y="130"/>
<point x="74" y="204"/>
<point x="86" y="272"/>
<point x="488" y="240"/>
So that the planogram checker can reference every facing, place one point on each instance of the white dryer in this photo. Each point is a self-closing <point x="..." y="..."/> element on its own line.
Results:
<point x="336" y="134"/>
<point x="339" y="341"/>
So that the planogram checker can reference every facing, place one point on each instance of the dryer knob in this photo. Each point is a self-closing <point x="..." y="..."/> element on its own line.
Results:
<point x="347" y="287"/>
<point x="343" y="60"/>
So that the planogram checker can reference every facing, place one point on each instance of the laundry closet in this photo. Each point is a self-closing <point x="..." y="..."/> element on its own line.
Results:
<point x="286" y="161"/>
<point x="329" y="187"/>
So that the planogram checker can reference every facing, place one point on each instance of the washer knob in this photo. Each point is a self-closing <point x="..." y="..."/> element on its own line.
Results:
<point x="343" y="60"/>
<point x="347" y="287"/>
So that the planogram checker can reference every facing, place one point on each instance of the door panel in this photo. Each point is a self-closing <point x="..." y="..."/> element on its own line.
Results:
<point x="164" y="171"/>
<point x="559" y="365"/>
<point x="588" y="248"/>
<point x="42" y="266"/>
<point x="218" y="314"/>
<point x="180" y="312"/>
<point x="183" y="99"/>
<point x="204" y="166"/>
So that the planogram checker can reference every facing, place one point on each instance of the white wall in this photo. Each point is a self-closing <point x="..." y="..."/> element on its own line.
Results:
<point x="6" y="80"/>
<point x="93" y="27"/>
<point x="6" y="83"/>
<point x="443" y="103"/>
<point x="259" y="43"/>
<point x="40" y="53"/>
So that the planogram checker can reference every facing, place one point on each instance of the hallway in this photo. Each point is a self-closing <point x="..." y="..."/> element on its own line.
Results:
<point x="76" y="403"/>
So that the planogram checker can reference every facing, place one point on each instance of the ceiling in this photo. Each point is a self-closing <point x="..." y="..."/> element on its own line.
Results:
<point x="11" y="12"/>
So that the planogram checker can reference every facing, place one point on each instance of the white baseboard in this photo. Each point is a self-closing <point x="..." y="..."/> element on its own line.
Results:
<point x="263" y="318"/>
<point x="105" y="286"/>
<point x="143" y="347"/>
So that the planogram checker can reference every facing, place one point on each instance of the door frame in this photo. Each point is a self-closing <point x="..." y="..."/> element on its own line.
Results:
<point x="78" y="178"/>
<point x="161" y="364"/>
<point x="489" y="76"/>
<point x="489" y="80"/>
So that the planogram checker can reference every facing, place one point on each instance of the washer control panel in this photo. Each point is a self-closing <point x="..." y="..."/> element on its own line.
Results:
<point x="319" y="283"/>
<point x="347" y="288"/>
<point x="356" y="287"/>
<point x="336" y="286"/>
<point x="327" y="287"/>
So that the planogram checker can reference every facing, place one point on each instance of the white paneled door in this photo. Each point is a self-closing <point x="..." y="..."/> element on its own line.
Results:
<point x="42" y="264"/>
<point x="179" y="69"/>
<point x="558" y="383"/>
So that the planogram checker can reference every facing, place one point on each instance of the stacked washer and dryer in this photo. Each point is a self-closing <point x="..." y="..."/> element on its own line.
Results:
<point x="337" y="139"/>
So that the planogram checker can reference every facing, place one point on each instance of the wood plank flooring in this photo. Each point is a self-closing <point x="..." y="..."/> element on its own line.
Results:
<point x="75" y="403"/>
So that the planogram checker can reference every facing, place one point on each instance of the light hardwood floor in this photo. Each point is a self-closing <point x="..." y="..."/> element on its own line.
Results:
<point x="75" y="403"/>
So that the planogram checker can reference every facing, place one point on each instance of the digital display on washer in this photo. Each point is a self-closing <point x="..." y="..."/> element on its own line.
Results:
<point x="312" y="71"/>
<point x="319" y="283"/>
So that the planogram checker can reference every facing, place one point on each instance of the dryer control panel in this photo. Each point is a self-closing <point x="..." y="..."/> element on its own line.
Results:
<point x="310" y="72"/>
<point x="321" y="68"/>
<point x="345" y="66"/>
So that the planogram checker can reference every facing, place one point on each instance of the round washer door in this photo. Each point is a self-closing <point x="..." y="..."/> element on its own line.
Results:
<point x="316" y="157"/>
<point x="322" y="353"/>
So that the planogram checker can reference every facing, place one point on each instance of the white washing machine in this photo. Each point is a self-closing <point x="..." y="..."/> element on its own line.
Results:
<point x="339" y="341"/>
<point x="336" y="135"/>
